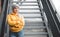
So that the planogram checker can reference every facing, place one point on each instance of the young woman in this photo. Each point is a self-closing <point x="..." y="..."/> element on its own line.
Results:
<point x="15" y="22"/>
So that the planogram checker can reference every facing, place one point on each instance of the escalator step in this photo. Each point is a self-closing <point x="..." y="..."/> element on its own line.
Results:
<point x="25" y="2"/>
<point x="36" y="33"/>
<point x="34" y="27"/>
<point x="29" y="8"/>
<point x="36" y="24"/>
<point x="30" y="2"/>
<point x="35" y="30"/>
<point x="29" y="5"/>
<point x="34" y="19"/>
<point x="32" y="15"/>
<point x="30" y="12"/>
<point x="36" y="36"/>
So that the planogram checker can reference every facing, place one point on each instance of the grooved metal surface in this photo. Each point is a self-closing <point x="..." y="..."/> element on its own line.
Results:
<point x="33" y="20"/>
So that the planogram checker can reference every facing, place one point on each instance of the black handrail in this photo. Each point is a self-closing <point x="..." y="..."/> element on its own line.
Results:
<point x="44" y="18"/>
<point x="51" y="16"/>
<point x="55" y="17"/>
<point x="4" y="11"/>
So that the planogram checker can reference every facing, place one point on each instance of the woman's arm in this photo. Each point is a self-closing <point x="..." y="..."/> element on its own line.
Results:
<point x="10" y="22"/>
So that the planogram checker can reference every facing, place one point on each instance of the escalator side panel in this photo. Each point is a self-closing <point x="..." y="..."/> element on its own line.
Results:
<point x="4" y="19"/>
<point x="50" y="19"/>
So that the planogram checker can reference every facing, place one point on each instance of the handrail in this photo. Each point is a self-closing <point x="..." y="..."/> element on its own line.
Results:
<point x="4" y="12"/>
<point x="45" y="18"/>
<point x="1" y="17"/>
<point x="51" y="18"/>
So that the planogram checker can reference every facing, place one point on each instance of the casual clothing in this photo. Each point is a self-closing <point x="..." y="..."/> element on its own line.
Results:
<point x="16" y="25"/>
<point x="17" y="34"/>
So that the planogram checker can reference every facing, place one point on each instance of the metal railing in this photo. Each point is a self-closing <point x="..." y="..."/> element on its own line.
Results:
<point x="45" y="18"/>
<point x="51" y="16"/>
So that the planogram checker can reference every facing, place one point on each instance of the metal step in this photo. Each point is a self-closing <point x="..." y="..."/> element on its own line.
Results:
<point x="35" y="27"/>
<point x="36" y="36"/>
<point x="31" y="0"/>
<point x="35" y="30"/>
<point x="36" y="16"/>
<point x="35" y="33"/>
<point x="29" y="8"/>
<point x="34" y="24"/>
<point x="30" y="12"/>
<point x="28" y="5"/>
<point x="31" y="22"/>
<point x="25" y="2"/>
<point x="34" y="19"/>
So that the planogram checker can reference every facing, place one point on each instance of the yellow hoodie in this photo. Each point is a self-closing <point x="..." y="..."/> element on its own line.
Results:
<point x="15" y="22"/>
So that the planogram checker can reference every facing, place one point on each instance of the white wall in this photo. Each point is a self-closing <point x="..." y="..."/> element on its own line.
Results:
<point x="57" y="5"/>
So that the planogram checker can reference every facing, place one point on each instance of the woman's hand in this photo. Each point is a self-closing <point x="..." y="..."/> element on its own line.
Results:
<point x="17" y="26"/>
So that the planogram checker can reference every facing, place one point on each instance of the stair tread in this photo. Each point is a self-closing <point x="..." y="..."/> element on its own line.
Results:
<point x="31" y="0"/>
<point x="30" y="12"/>
<point x="34" y="19"/>
<point x="29" y="8"/>
<point x="34" y="23"/>
<point x="25" y="1"/>
<point x="36" y="33"/>
<point x="29" y="5"/>
<point x="32" y="15"/>
<point x="37" y="36"/>
<point x="27" y="27"/>
<point x="35" y="30"/>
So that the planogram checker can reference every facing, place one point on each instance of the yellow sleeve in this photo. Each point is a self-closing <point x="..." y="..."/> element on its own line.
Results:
<point x="21" y="20"/>
<point x="10" y="22"/>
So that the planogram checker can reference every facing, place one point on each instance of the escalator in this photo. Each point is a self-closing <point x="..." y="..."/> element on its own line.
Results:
<point x="36" y="23"/>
